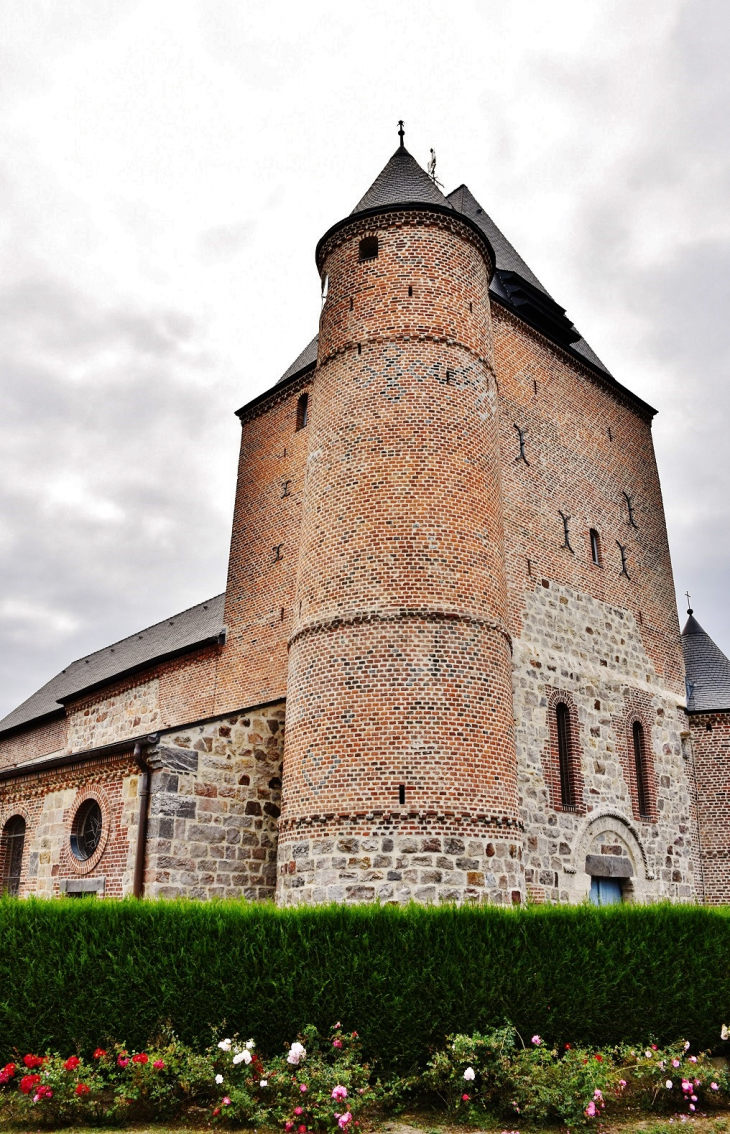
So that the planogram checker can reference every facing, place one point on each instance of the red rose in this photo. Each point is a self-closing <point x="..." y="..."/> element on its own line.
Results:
<point x="216" y="1112"/>
<point x="28" y="1082"/>
<point x="9" y="1069"/>
<point x="122" y="1061"/>
<point x="568" y="1046"/>
<point x="44" y="1093"/>
<point x="599" y="1058"/>
<point x="465" y="1098"/>
<point x="99" y="1053"/>
<point x="302" y="1130"/>
<point x="140" y="1057"/>
<point x="32" y="1061"/>
<point x="72" y="1063"/>
<point x="82" y="1089"/>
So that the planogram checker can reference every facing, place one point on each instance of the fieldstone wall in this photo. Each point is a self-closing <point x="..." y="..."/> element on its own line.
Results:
<point x="214" y="808"/>
<point x="593" y="652"/>
<point x="106" y="717"/>
<point x="401" y="858"/>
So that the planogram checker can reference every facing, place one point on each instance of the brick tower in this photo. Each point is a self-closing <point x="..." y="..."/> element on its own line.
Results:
<point x="400" y="730"/>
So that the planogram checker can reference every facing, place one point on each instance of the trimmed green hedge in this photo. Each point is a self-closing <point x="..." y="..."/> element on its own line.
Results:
<point x="78" y="974"/>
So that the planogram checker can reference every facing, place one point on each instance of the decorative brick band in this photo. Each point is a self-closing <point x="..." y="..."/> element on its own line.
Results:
<point x="361" y="618"/>
<point x="403" y="337"/>
<point x="430" y="216"/>
<point x="479" y="819"/>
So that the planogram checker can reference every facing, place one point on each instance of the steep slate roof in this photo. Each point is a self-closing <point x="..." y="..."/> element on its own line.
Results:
<point x="509" y="260"/>
<point x="303" y="361"/>
<point x="197" y="626"/>
<point x="402" y="182"/>
<point x="707" y="669"/>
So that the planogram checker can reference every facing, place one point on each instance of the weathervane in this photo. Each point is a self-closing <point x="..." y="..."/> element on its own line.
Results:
<point x="689" y="600"/>
<point x="432" y="169"/>
<point x="401" y="133"/>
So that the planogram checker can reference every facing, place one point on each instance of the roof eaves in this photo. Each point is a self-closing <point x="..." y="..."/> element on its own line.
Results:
<point x="34" y="722"/>
<point x="409" y="206"/>
<point x="148" y="663"/>
<point x="278" y="387"/>
<point x="607" y="379"/>
<point x="50" y="763"/>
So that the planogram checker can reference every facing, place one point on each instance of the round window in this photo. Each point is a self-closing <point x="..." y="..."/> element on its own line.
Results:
<point x="86" y="830"/>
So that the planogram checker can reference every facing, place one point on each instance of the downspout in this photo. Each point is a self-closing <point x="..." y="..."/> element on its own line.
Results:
<point x="142" y="821"/>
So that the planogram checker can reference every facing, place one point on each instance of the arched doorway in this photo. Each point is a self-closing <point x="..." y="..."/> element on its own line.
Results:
<point x="13" y="843"/>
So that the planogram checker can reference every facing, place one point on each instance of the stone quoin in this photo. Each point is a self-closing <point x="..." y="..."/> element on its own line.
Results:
<point x="447" y="665"/>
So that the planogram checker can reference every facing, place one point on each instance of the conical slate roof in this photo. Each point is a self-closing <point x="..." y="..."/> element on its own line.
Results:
<point x="707" y="669"/>
<point x="402" y="182"/>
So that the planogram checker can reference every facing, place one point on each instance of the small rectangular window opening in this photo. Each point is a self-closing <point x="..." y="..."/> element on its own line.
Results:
<point x="410" y="290"/>
<point x="302" y="411"/>
<point x="401" y="793"/>
<point x="595" y="547"/>
<point x="369" y="248"/>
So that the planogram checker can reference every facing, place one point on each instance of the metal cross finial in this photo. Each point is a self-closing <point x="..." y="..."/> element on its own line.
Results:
<point x="689" y="602"/>
<point x="401" y="132"/>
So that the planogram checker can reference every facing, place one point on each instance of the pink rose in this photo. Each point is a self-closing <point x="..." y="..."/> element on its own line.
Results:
<point x="591" y="1110"/>
<point x="303" y="1087"/>
<point x="298" y="1110"/>
<point x="226" y="1101"/>
<point x="159" y="1065"/>
<point x="339" y="1093"/>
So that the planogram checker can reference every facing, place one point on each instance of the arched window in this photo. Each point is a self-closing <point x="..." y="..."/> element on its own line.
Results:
<point x="567" y="794"/>
<point x="13" y="842"/>
<point x="640" y="763"/>
<point x="369" y="248"/>
<point x="595" y="547"/>
<point x="302" y="411"/>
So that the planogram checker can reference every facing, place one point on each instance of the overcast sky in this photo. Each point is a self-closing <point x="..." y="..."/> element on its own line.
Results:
<point x="166" y="169"/>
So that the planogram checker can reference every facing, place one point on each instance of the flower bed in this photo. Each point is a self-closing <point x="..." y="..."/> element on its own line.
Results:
<point x="320" y="1084"/>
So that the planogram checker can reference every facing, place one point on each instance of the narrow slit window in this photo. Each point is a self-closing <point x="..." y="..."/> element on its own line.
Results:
<point x="595" y="547"/>
<point x="302" y="411"/>
<point x="369" y="248"/>
<point x="401" y="793"/>
<point x="642" y="786"/>
<point x="567" y="796"/>
<point x="13" y="844"/>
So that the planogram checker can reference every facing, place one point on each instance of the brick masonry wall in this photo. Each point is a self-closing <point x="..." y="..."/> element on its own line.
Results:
<point x="593" y="654"/>
<point x="264" y="552"/>
<point x="399" y="657"/>
<point x="48" y="801"/>
<point x="710" y="742"/>
<point x="586" y="446"/>
<point x="33" y="743"/>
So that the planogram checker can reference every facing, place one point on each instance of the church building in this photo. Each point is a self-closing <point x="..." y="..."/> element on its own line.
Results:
<point x="447" y="665"/>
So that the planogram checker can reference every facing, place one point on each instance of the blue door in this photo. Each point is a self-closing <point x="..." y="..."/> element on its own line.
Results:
<point x="605" y="891"/>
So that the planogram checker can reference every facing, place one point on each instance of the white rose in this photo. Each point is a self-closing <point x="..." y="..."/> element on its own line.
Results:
<point x="469" y="1074"/>
<point x="250" y="1044"/>
<point x="225" y="1045"/>
<point x="264" y="1083"/>
<point x="239" y="1058"/>
<point x="219" y="1079"/>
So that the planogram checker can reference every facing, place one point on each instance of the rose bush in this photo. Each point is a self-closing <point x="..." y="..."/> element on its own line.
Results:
<point x="319" y="1084"/>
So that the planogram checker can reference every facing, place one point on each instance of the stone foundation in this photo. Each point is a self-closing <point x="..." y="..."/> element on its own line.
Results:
<point x="400" y="859"/>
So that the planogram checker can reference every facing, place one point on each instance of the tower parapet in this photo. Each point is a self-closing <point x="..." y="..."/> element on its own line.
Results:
<point x="400" y="769"/>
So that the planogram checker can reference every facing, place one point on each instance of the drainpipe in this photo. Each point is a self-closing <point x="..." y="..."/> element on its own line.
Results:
<point x="142" y="821"/>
